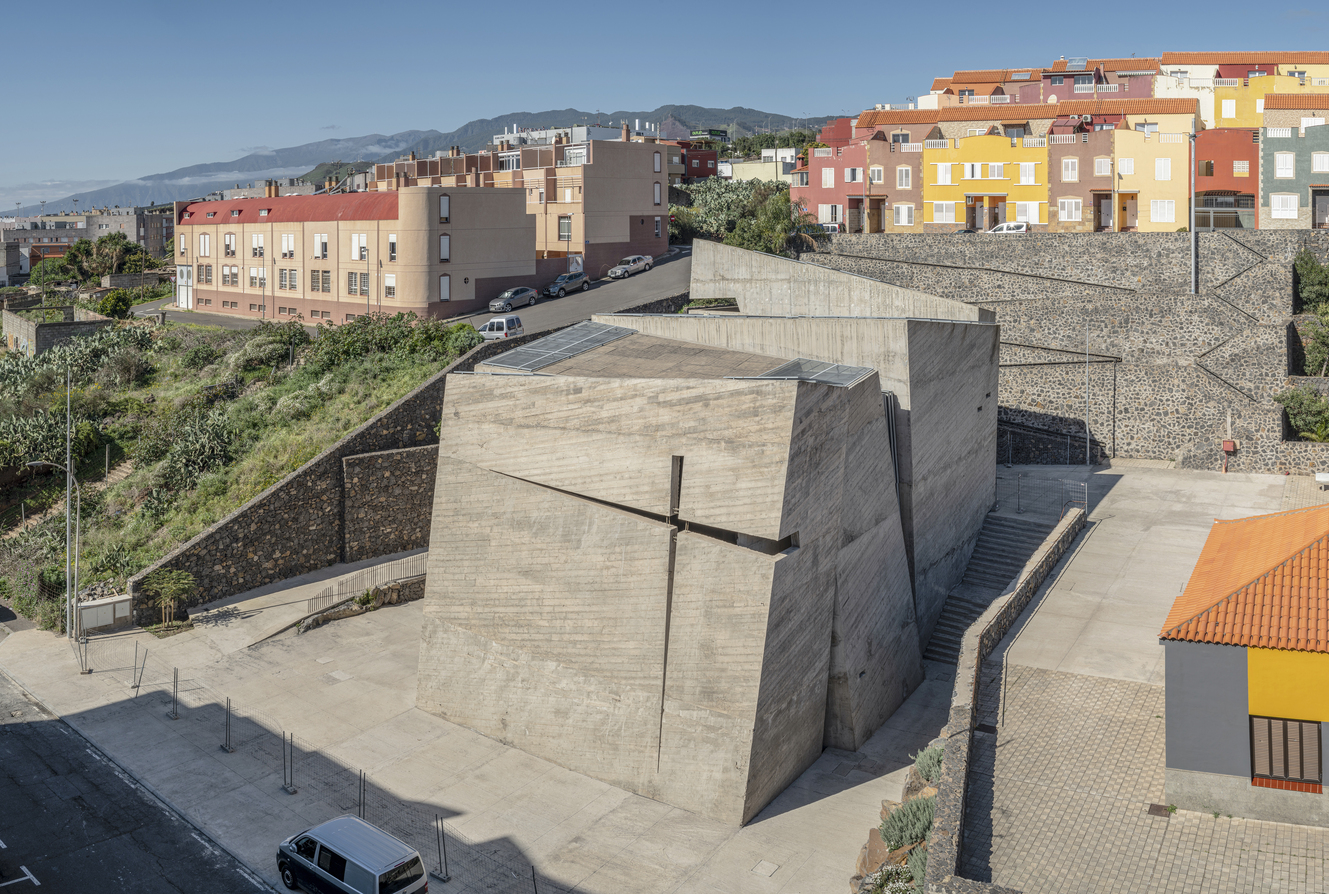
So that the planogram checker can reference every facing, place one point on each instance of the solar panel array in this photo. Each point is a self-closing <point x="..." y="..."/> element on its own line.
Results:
<point x="561" y="345"/>
<point x="804" y="370"/>
<point x="1077" y="63"/>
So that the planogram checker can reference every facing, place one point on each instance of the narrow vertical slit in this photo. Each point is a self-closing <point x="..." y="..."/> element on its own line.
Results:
<point x="675" y="494"/>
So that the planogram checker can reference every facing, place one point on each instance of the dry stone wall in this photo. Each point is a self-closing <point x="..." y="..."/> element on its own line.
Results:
<point x="1171" y="375"/>
<point x="388" y="498"/>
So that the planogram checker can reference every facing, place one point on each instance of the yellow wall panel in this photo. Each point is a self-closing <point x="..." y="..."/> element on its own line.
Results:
<point x="1285" y="683"/>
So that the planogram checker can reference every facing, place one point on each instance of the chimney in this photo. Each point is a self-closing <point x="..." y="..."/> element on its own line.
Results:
<point x="625" y="132"/>
<point x="412" y="155"/>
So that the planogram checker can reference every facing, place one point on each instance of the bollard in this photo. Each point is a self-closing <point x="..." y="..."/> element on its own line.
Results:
<point x="175" y="694"/>
<point x="442" y="847"/>
<point x="534" y="887"/>
<point x="288" y="767"/>
<point x="1018" y="476"/>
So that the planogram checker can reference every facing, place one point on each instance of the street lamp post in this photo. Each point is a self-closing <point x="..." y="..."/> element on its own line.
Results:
<point x="70" y="614"/>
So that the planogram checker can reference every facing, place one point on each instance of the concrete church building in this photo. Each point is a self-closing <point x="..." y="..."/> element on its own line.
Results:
<point x="682" y="567"/>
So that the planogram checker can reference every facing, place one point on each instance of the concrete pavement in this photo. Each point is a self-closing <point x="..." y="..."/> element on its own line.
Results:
<point x="348" y="688"/>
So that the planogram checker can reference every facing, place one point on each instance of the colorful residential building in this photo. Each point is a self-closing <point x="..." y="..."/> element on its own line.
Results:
<point x="979" y="181"/>
<point x="846" y="185"/>
<point x="1227" y="178"/>
<point x="1082" y="78"/>
<point x="1294" y="162"/>
<point x="1246" y="655"/>
<point x="1082" y="193"/>
<point x="1232" y="86"/>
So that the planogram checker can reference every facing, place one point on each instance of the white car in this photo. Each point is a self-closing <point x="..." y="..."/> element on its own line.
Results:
<point x="630" y="265"/>
<point x="502" y="327"/>
<point x="1011" y="227"/>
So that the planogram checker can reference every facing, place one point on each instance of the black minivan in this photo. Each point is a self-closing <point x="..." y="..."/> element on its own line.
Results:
<point x="347" y="855"/>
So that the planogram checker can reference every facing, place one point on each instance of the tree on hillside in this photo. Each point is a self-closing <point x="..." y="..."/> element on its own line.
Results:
<point x="49" y="270"/>
<point x="779" y="225"/>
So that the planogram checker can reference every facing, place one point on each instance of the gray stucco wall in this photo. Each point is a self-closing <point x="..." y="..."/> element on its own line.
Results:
<point x="1207" y="726"/>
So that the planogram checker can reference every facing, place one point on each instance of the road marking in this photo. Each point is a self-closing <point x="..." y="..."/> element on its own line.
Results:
<point x="2" y="845"/>
<point x="210" y="849"/>
<point x="27" y="877"/>
<point x="253" y="880"/>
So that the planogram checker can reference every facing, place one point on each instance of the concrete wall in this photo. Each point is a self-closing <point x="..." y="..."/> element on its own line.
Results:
<point x="1168" y="368"/>
<point x="33" y="338"/>
<point x="943" y="376"/>
<point x="1207" y="722"/>
<point x="768" y="285"/>
<point x="387" y="501"/>
<point x="557" y="621"/>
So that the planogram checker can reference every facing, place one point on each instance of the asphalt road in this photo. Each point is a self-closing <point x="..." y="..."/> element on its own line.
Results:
<point x="70" y="820"/>
<point x="669" y="276"/>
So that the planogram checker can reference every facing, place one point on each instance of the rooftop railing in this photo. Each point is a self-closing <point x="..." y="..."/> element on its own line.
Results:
<point x="936" y="144"/>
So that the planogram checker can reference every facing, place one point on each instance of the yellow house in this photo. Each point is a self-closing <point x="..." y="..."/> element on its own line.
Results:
<point x="1153" y="184"/>
<point x="1239" y="102"/>
<point x="981" y="181"/>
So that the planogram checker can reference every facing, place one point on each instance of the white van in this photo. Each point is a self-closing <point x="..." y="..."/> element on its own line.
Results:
<point x="347" y="855"/>
<point x="502" y="327"/>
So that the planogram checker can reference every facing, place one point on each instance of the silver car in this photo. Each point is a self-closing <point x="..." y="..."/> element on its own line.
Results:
<point x="630" y="265"/>
<point x="513" y="298"/>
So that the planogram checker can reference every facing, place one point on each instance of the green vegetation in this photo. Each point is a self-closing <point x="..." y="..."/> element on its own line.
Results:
<point x="745" y="147"/>
<point x="708" y="302"/>
<point x="164" y="588"/>
<point x="892" y="878"/>
<point x="1312" y="279"/>
<point x="1307" y="411"/>
<point x="209" y="419"/>
<point x="908" y="824"/>
<point x="751" y="214"/>
<point x="116" y="304"/>
<point x="918" y="867"/>
<point x="928" y="762"/>
<point x="338" y="169"/>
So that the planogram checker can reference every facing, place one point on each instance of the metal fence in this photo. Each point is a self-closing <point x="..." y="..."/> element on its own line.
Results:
<point x="1021" y="446"/>
<point x="376" y="576"/>
<point x="96" y="466"/>
<point x="1021" y="493"/>
<point x="325" y="785"/>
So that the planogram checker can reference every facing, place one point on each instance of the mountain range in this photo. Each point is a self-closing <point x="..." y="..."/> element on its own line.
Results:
<point x="675" y="121"/>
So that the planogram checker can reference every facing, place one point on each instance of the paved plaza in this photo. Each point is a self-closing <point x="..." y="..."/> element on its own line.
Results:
<point x="1059" y="795"/>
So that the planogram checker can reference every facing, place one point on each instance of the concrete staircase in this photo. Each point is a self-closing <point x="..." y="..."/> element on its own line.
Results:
<point x="1004" y="545"/>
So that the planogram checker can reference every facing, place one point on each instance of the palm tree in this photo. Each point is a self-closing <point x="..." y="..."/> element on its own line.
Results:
<point x="1319" y="436"/>
<point x="164" y="589"/>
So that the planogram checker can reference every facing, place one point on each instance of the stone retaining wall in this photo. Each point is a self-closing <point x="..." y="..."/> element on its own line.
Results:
<point x="1172" y="375"/>
<point x="982" y="637"/>
<point x="388" y="501"/>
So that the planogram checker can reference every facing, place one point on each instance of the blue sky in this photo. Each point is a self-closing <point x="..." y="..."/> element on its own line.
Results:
<point x="115" y="91"/>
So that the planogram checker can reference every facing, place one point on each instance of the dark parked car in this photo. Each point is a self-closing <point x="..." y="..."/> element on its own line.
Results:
<point x="965" y="232"/>
<point x="568" y="282"/>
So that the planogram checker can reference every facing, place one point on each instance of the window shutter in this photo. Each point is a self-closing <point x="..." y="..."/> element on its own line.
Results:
<point x="909" y="215"/>
<point x="1260" y="746"/>
<point x="1293" y="749"/>
<point x="445" y="288"/>
<point x="1277" y="748"/>
<point x="444" y="208"/>
<point x="445" y="247"/>
<point x="1162" y="169"/>
<point x="1310" y="751"/>
<point x="1229" y="108"/>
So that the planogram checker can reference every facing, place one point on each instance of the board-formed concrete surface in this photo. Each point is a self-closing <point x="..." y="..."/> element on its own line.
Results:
<point x="942" y="380"/>
<point x="686" y="586"/>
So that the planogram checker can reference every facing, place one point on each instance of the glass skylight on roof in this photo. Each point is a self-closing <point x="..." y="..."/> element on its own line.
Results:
<point x="560" y="346"/>
<point x="1020" y="76"/>
<point x="804" y="370"/>
<point x="1077" y="63"/>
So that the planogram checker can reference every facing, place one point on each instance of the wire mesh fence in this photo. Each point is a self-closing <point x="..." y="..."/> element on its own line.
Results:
<point x="1030" y="494"/>
<point x="1021" y="446"/>
<point x="325" y="785"/>
<point x="96" y="466"/>
<point x="366" y="579"/>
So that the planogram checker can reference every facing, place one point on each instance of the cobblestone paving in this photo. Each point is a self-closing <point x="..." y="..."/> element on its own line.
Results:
<point x="1059" y="800"/>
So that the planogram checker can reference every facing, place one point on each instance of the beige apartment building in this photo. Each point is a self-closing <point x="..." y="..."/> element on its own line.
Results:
<point x="432" y="251"/>
<point x="591" y="202"/>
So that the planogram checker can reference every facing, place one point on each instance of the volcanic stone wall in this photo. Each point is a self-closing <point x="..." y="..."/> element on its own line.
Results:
<point x="1170" y="375"/>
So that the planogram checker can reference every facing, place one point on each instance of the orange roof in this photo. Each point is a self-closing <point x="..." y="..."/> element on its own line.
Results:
<point x="1131" y="64"/>
<point x="940" y="83"/>
<point x="1128" y="107"/>
<point x="886" y="117"/>
<point x="1261" y="581"/>
<point x="1308" y="101"/>
<point x="985" y="112"/>
<point x="987" y="76"/>
<point x="1235" y="58"/>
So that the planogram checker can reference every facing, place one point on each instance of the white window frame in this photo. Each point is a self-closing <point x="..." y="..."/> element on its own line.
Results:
<point x="876" y="174"/>
<point x="1028" y="173"/>
<point x="904" y="215"/>
<point x="1162" y="169"/>
<point x="1320" y="162"/>
<point x="943" y="212"/>
<point x="321" y="245"/>
<point x="444" y="209"/>
<point x="1162" y="211"/>
<point x="1284" y="206"/>
<point x="1070" y="170"/>
<point x="973" y="170"/>
<point x="997" y="171"/>
<point x="657" y="162"/>
<point x="1069" y="209"/>
<point x="853" y="175"/>
<point x="444" y="247"/>
<point x="657" y="192"/>
<point x="256" y="249"/>
<point x="389" y="285"/>
<point x="1126" y="166"/>
<point x="1285" y="165"/>
<point x="827" y="177"/>
<point x="1022" y="212"/>
<point x="444" y="287"/>
<point x="204" y="245"/>
<point x="392" y="246"/>
<point x="1102" y="167"/>
<point x="904" y="177"/>
<point x="943" y="173"/>
<point x="1229" y="108"/>
<point x="1241" y="168"/>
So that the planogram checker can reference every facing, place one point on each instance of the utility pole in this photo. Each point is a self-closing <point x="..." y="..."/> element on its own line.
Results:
<point x="69" y="509"/>
<point x="1086" y="393"/>
<point x="1195" y="237"/>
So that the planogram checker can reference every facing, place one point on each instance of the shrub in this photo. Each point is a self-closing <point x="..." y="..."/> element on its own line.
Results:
<point x="918" y="867"/>
<point x="125" y="368"/>
<point x="909" y="823"/>
<point x="1307" y="409"/>
<point x="1312" y="280"/>
<point x="928" y="762"/>
<point x="165" y="588"/>
<point x="891" y="878"/>
<point x="116" y="303"/>
<point x="200" y="356"/>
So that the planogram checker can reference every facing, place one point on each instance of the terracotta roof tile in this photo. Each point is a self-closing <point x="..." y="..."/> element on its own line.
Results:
<point x="940" y="83"/>
<point x="1236" y="58"/>
<point x="288" y="209"/>
<point x="981" y="76"/>
<point x="1308" y="101"/>
<point x="1128" y="107"/>
<point x="1131" y="64"/>
<point x="1035" y="111"/>
<point x="885" y="117"/>
<point x="1261" y="581"/>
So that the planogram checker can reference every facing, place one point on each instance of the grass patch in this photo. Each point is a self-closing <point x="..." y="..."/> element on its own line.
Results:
<point x="162" y="631"/>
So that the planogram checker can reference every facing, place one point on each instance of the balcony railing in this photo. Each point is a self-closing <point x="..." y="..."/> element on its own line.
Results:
<point x="936" y="144"/>
<point x="1224" y="219"/>
<point x="1107" y="88"/>
<point x="1035" y="142"/>
<point x="1278" y="133"/>
<point x="910" y="147"/>
<point x="1060" y="138"/>
<point x="1319" y="82"/>
<point x="823" y="152"/>
<point x="973" y="100"/>
<point x="1226" y="82"/>
<point x="998" y="99"/>
<point x="1084" y="88"/>
<point x="1171" y="138"/>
